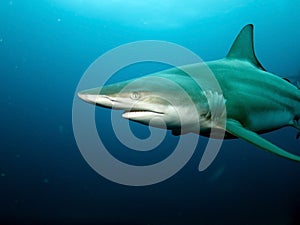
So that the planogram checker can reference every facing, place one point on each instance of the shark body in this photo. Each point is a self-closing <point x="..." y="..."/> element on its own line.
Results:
<point x="252" y="101"/>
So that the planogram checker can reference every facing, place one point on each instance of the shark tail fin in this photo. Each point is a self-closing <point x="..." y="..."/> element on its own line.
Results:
<point x="243" y="47"/>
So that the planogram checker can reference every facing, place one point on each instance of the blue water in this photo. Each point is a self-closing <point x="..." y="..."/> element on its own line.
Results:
<point x="45" y="47"/>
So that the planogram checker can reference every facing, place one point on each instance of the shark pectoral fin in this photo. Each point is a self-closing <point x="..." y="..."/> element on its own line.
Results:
<point x="235" y="128"/>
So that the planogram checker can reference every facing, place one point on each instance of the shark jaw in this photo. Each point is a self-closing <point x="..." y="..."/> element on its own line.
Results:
<point x="140" y="114"/>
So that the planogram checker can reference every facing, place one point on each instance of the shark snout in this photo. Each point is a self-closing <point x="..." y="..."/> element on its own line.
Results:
<point x="106" y="101"/>
<point x="102" y="100"/>
<point x="133" y="109"/>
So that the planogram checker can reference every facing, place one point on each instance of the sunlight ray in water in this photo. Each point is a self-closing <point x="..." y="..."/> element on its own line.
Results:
<point x="152" y="13"/>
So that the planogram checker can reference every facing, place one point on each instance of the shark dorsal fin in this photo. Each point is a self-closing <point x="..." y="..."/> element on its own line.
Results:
<point x="243" y="47"/>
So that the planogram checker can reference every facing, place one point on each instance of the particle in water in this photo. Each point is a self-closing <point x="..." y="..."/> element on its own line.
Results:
<point x="61" y="128"/>
<point x="3" y="174"/>
<point x="46" y="181"/>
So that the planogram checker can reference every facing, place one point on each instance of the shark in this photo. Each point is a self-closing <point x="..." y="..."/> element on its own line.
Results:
<point x="251" y="101"/>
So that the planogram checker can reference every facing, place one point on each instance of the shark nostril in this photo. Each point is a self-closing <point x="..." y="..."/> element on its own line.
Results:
<point x="110" y="98"/>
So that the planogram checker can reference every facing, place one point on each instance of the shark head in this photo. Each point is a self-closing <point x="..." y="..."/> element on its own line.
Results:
<point x="160" y="97"/>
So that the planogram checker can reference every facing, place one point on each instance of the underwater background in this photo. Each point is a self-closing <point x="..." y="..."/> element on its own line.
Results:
<point x="45" y="48"/>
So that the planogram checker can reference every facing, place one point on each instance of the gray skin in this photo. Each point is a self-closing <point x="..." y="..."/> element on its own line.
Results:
<point x="250" y="100"/>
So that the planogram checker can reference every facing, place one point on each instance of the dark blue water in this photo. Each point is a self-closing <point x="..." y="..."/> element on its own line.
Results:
<point x="45" y="47"/>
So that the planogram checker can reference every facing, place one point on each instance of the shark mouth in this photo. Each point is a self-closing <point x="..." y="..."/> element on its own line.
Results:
<point x="139" y="114"/>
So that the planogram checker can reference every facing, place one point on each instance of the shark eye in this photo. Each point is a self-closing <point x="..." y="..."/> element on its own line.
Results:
<point x="135" y="95"/>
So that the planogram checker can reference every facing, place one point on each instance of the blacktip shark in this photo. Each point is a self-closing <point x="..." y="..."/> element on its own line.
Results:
<point x="252" y="101"/>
